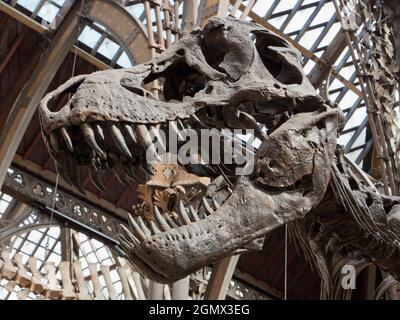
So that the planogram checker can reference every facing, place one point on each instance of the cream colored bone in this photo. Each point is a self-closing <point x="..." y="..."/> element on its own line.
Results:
<point x="98" y="295"/>
<point x="22" y="278"/>
<point x="53" y="292"/>
<point x="7" y="271"/>
<point x="68" y="292"/>
<point x="83" y="293"/>
<point x="37" y="283"/>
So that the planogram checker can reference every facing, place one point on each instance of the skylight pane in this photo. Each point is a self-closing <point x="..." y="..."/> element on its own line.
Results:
<point x="356" y="118"/>
<point x="298" y="20"/>
<point x="331" y="34"/>
<point x="29" y="4"/>
<point x="3" y="206"/>
<point x="309" y="37"/>
<point x="135" y="10"/>
<point x="278" y="21"/>
<point x="48" y="12"/>
<point x="89" y="36"/>
<point x="284" y="5"/>
<point x="361" y="139"/>
<point x="326" y="12"/>
<point x="262" y="7"/>
<point x="309" y="66"/>
<point x="344" y="138"/>
<point x="6" y="197"/>
<point x="108" y="48"/>
<point x="124" y="61"/>
<point x="335" y="84"/>
<point x="354" y="155"/>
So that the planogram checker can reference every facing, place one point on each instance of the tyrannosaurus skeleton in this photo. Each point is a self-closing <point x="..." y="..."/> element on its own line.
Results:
<point x="230" y="75"/>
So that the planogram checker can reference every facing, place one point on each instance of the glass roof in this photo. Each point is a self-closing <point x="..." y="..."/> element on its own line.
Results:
<point x="45" y="245"/>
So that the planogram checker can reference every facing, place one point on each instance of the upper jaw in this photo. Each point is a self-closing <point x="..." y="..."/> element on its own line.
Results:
<point x="103" y="98"/>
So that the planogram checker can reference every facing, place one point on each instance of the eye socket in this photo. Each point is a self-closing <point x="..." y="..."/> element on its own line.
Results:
<point x="277" y="57"/>
<point x="61" y="95"/>
<point x="180" y="80"/>
<point x="181" y="52"/>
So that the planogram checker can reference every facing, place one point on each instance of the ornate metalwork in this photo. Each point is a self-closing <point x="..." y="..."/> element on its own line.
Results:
<point x="240" y="291"/>
<point x="67" y="205"/>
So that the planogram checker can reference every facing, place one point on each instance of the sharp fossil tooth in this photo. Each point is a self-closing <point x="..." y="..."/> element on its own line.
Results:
<point x="95" y="178"/>
<point x="207" y="207"/>
<point x="160" y="219"/>
<point x="67" y="138"/>
<point x="143" y="135"/>
<point x="216" y="204"/>
<point x="135" y="227"/>
<point x="129" y="236"/>
<point x="119" y="140"/>
<point x="183" y="214"/>
<point x="126" y="245"/>
<point x="130" y="133"/>
<point x="99" y="131"/>
<point x="54" y="142"/>
<point x="183" y="125"/>
<point x="145" y="140"/>
<point x="88" y="135"/>
<point x="70" y="171"/>
<point x="194" y="214"/>
<point x="130" y="171"/>
<point x="174" y="128"/>
<point x="195" y="118"/>
<point x="120" y="173"/>
<point x="252" y="121"/>
<point x="144" y="227"/>
<point x="160" y="140"/>
<point x="154" y="228"/>
<point x="170" y="221"/>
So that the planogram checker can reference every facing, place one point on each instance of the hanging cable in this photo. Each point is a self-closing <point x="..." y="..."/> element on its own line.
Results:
<point x="51" y="215"/>
<point x="76" y="42"/>
<point x="286" y="261"/>
<point x="57" y="177"/>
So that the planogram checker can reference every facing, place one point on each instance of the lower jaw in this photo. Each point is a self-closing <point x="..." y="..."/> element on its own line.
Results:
<point x="245" y="216"/>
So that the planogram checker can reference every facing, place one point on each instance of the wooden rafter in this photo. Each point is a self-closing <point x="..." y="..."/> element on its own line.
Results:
<point x="27" y="102"/>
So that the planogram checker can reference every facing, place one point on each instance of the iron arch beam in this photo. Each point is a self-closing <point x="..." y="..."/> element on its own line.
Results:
<point x="125" y="28"/>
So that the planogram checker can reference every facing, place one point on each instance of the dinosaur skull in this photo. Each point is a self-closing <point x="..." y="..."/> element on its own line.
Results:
<point x="229" y="75"/>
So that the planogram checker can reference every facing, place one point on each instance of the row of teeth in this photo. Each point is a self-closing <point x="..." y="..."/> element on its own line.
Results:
<point x="142" y="229"/>
<point x="126" y="137"/>
<point x="123" y="135"/>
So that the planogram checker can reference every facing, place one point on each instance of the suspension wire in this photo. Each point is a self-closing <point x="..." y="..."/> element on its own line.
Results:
<point x="80" y="23"/>
<point x="51" y="216"/>
<point x="286" y="261"/>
